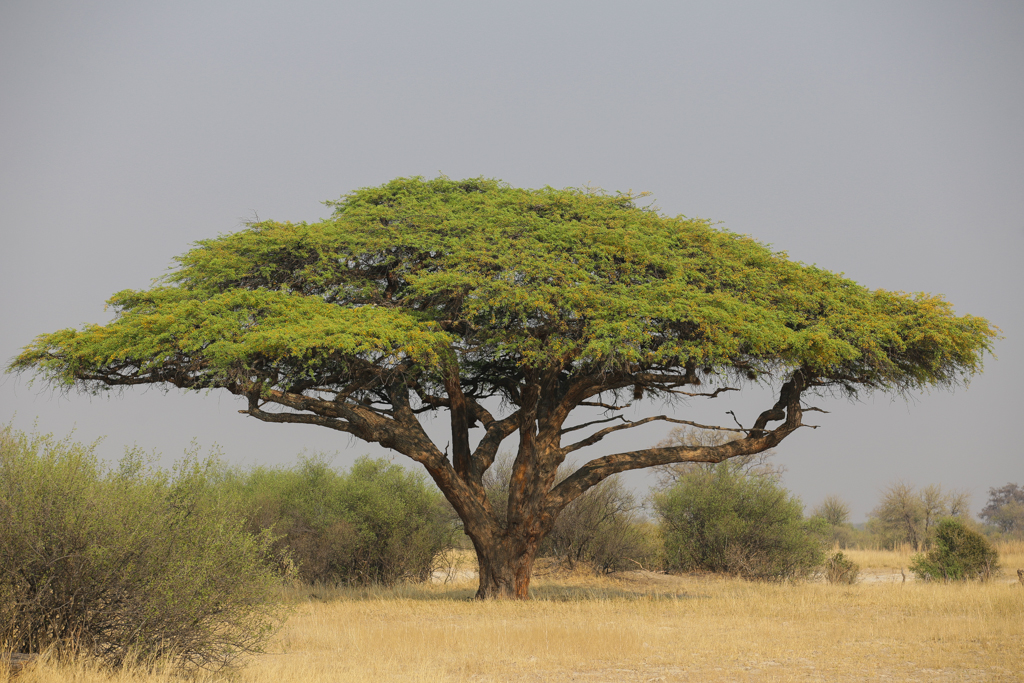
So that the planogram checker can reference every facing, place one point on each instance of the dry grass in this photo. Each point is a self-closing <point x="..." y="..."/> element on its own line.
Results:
<point x="681" y="629"/>
<point x="1011" y="555"/>
<point x="882" y="559"/>
<point x="1011" y="558"/>
<point x="642" y="627"/>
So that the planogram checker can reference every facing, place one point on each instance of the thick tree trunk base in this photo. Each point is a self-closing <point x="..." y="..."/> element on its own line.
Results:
<point x="505" y="573"/>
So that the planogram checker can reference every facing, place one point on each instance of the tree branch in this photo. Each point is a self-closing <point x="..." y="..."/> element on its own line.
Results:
<point x="606" y="406"/>
<point x="458" y="411"/>
<point x="713" y="394"/>
<point x="758" y="439"/>
<point x="598" y="436"/>
<point x="587" y="424"/>
<point x="487" y="449"/>
<point x="294" y="418"/>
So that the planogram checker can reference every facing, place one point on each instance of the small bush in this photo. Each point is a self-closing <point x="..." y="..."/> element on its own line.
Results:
<point x="127" y="563"/>
<point x="959" y="553"/>
<point x="724" y="519"/>
<point x="841" y="569"/>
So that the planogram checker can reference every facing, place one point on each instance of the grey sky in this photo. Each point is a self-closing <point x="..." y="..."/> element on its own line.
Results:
<point x="880" y="139"/>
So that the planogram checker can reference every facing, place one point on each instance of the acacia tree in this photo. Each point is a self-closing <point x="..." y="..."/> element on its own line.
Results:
<point x="517" y="312"/>
<point x="1005" y="509"/>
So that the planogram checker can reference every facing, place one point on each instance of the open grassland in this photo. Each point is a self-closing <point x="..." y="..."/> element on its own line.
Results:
<point x="642" y="627"/>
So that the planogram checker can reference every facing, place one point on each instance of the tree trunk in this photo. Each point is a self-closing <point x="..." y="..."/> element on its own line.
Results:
<point x="506" y="566"/>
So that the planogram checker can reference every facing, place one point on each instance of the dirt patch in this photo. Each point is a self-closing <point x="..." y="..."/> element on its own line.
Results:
<point x="453" y="575"/>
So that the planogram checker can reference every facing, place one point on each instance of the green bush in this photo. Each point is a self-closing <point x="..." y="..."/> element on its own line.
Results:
<point x="376" y="523"/>
<point x="841" y="569"/>
<point x="725" y="519"/>
<point x="126" y="563"/>
<point x="959" y="553"/>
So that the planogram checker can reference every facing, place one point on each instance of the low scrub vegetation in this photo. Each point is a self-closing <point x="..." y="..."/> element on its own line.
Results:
<point x="835" y="513"/>
<point x="958" y="553"/>
<point x="841" y="569"/>
<point x="131" y="563"/>
<point x="605" y="529"/>
<point x="738" y="521"/>
<point x="127" y="562"/>
<point x="908" y="515"/>
<point x="376" y="523"/>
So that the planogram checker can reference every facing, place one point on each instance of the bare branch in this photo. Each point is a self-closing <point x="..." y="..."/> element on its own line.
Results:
<point x="433" y="402"/>
<point x="487" y="449"/>
<point x="758" y="439"/>
<point x="294" y="418"/>
<point x="587" y="424"/>
<point x="606" y="406"/>
<point x="713" y="394"/>
<point x="597" y="436"/>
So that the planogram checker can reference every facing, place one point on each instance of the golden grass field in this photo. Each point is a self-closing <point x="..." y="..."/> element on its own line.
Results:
<point x="640" y="626"/>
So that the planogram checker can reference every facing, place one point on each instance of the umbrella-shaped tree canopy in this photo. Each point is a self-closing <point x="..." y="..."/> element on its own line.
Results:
<point x="422" y="296"/>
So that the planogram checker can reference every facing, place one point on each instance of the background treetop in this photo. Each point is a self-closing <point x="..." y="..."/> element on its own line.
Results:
<point x="433" y="277"/>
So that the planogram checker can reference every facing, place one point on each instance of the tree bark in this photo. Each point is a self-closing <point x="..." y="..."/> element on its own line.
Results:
<point x="505" y="568"/>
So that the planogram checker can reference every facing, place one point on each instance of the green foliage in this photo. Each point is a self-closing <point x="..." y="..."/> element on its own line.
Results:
<point x="126" y="563"/>
<point x="426" y="273"/>
<point x="841" y="569"/>
<point x="376" y="523"/>
<point x="959" y="553"/>
<point x="723" y="519"/>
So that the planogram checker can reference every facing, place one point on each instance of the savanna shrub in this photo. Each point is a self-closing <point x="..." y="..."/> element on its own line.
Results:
<point x="603" y="529"/>
<point x="957" y="554"/>
<point x="841" y="569"/>
<point x="128" y="562"/>
<point x="376" y="523"/>
<point x="725" y="519"/>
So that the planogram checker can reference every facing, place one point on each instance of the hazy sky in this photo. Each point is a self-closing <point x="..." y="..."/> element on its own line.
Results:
<point x="880" y="139"/>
